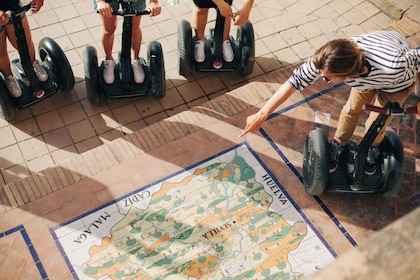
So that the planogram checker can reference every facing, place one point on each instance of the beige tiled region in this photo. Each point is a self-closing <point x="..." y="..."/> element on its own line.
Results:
<point x="66" y="124"/>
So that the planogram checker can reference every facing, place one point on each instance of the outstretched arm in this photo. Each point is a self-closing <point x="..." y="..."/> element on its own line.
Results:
<point x="256" y="120"/>
<point x="242" y="15"/>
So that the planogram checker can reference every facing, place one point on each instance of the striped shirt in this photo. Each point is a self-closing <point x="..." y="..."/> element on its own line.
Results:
<point x="393" y="65"/>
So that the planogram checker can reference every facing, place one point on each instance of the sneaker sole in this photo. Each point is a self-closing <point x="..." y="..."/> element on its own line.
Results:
<point x="332" y="170"/>
<point x="370" y="173"/>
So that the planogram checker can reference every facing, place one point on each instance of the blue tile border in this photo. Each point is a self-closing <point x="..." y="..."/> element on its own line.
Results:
<point x="21" y="229"/>
<point x="415" y="200"/>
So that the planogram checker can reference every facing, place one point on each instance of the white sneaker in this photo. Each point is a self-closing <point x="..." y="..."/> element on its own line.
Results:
<point x="199" y="53"/>
<point x="109" y="76"/>
<point x="138" y="72"/>
<point x="40" y="71"/>
<point x="13" y="86"/>
<point x="227" y="51"/>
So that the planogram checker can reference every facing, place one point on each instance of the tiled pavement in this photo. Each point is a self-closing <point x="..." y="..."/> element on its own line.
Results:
<point x="65" y="125"/>
<point x="154" y="138"/>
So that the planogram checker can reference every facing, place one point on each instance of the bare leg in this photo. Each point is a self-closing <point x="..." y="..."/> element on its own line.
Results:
<point x="226" y="29"/>
<point x="4" y="56"/>
<point x="109" y="25"/>
<point x="136" y="37"/>
<point x="199" y="21"/>
<point x="10" y="32"/>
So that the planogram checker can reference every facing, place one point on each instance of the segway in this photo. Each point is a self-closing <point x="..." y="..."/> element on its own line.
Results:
<point x="350" y="174"/>
<point x="243" y="49"/>
<point x="52" y="58"/>
<point x="124" y="84"/>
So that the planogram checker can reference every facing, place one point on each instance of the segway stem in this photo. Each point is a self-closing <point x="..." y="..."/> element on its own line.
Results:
<point x="218" y="36"/>
<point x="384" y="113"/>
<point x="25" y="58"/>
<point x="359" y="166"/>
<point x="219" y="31"/>
<point x="125" y="49"/>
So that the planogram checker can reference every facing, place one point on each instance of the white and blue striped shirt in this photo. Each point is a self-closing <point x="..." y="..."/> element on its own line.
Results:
<point x="393" y="65"/>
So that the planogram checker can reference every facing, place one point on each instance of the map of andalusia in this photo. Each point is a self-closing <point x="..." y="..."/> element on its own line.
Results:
<point x="226" y="218"/>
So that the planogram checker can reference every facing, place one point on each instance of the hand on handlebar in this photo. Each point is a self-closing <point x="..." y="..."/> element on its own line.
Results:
<point x="104" y="9"/>
<point x="36" y="5"/>
<point x="4" y="18"/>
<point x="392" y="109"/>
<point x="225" y="9"/>
<point x="154" y="9"/>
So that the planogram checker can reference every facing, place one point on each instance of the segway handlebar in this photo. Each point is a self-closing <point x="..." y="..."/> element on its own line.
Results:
<point x="18" y="10"/>
<point x="394" y="110"/>
<point x="129" y="13"/>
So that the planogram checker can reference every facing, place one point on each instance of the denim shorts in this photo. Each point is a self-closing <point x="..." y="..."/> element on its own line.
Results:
<point x="139" y="5"/>
<point x="10" y="22"/>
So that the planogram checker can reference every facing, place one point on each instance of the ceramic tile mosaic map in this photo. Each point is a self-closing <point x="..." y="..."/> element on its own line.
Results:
<point x="226" y="217"/>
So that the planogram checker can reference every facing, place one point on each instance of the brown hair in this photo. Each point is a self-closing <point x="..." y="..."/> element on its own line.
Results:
<point x="340" y="57"/>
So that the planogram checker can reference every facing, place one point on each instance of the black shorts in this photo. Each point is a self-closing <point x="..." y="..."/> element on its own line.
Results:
<point x="7" y="5"/>
<point x="205" y="4"/>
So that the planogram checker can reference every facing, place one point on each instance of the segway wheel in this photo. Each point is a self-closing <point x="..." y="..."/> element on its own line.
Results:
<point x="157" y="69"/>
<point x="90" y="59"/>
<point x="51" y="53"/>
<point x="185" y="51"/>
<point x="393" y="157"/>
<point x="6" y="109"/>
<point x="315" y="162"/>
<point x="245" y="35"/>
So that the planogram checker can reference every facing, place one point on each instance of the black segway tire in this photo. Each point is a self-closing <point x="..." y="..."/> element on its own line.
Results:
<point x="7" y="111"/>
<point x="393" y="157"/>
<point x="315" y="162"/>
<point x="185" y="50"/>
<point x="51" y="53"/>
<point x="90" y="59"/>
<point x="157" y="69"/>
<point x="245" y="35"/>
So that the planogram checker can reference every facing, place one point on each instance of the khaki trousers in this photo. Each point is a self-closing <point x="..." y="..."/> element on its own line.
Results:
<point x="352" y="111"/>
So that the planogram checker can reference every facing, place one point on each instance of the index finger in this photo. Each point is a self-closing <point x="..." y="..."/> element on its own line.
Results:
<point x="245" y="131"/>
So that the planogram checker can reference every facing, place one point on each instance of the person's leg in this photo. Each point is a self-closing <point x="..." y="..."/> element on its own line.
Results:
<point x="4" y="55"/>
<point x="135" y="46"/>
<point x="40" y="72"/>
<point x="347" y="122"/>
<point x="227" y="50"/>
<point x="109" y="24"/>
<point x="199" y="24"/>
<point x="381" y="100"/>
<point x="199" y="21"/>
<point x="226" y="29"/>
<point x="5" y="67"/>
<point x="350" y="114"/>
<point x="136" y="37"/>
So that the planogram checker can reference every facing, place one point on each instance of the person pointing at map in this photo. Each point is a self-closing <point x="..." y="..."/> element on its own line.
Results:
<point x="379" y="66"/>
